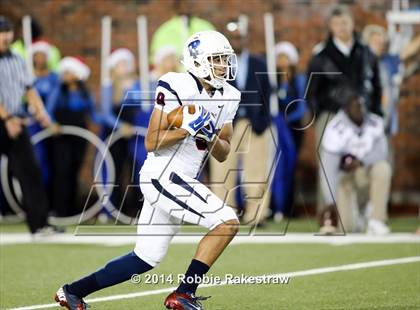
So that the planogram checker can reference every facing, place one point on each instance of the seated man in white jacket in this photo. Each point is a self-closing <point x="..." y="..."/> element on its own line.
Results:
<point x="354" y="156"/>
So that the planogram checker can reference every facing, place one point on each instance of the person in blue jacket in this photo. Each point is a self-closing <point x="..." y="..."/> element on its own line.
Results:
<point x="45" y="79"/>
<point x="45" y="82"/>
<point x="292" y="108"/>
<point x="119" y="109"/>
<point x="69" y="104"/>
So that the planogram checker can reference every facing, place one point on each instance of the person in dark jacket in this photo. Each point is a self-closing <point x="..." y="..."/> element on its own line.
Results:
<point x="342" y="60"/>
<point x="15" y="83"/>
<point x="250" y="140"/>
<point x="70" y="104"/>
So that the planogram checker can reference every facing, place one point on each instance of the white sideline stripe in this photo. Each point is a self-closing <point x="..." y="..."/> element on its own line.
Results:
<point x="68" y="238"/>
<point x="293" y="274"/>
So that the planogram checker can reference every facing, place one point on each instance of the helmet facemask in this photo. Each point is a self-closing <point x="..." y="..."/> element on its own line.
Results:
<point x="223" y="67"/>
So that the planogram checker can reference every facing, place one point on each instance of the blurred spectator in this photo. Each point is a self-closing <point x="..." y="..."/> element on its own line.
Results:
<point x="45" y="82"/>
<point x="45" y="79"/>
<point x="179" y="28"/>
<point x="341" y="60"/>
<point x="69" y="104"/>
<point x="250" y="129"/>
<point x="37" y="35"/>
<point x="290" y="92"/>
<point x="291" y="88"/>
<point x="15" y="83"/>
<point x="121" y="64"/>
<point x="376" y="38"/>
<point x="354" y="156"/>
<point x="165" y="60"/>
<point x="119" y="114"/>
<point x="390" y="69"/>
<point x="130" y="152"/>
<point x="410" y="55"/>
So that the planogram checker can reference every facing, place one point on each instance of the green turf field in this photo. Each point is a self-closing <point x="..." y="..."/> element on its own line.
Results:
<point x="31" y="273"/>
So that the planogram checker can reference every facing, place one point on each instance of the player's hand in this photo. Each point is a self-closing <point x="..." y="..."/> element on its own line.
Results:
<point x="208" y="131"/>
<point x="349" y="163"/>
<point x="194" y="122"/>
<point x="13" y="127"/>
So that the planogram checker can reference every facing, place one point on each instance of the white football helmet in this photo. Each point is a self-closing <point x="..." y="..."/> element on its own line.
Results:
<point x="209" y="56"/>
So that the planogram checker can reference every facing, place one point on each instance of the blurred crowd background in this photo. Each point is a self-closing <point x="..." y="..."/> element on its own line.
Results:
<point x="67" y="55"/>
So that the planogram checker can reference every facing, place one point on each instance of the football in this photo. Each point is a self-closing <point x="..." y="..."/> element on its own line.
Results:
<point x="175" y="116"/>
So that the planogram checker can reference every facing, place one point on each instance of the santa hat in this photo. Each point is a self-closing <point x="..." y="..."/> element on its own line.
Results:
<point x="74" y="65"/>
<point x="121" y="54"/>
<point x="164" y="51"/>
<point x="41" y="46"/>
<point x="289" y="50"/>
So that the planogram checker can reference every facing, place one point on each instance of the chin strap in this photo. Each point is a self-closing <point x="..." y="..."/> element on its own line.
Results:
<point x="210" y="82"/>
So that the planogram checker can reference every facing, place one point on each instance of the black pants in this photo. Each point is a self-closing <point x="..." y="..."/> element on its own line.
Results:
<point x="119" y="153"/>
<point x="68" y="153"/>
<point x="124" y="198"/>
<point x="25" y="168"/>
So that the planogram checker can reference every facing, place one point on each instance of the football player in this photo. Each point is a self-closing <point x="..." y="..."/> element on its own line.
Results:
<point x="168" y="177"/>
<point x="354" y="154"/>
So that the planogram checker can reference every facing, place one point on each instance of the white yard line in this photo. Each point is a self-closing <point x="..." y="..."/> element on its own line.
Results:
<point x="294" y="274"/>
<point x="116" y="240"/>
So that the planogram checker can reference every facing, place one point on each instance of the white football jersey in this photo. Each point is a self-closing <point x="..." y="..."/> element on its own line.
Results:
<point x="342" y="136"/>
<point x="180" y="89"/>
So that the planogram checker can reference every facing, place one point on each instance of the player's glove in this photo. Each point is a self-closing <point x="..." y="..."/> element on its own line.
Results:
<point x="208" y="131"/>
<point x="194" y="122"/>
<point x="349" y="163"/>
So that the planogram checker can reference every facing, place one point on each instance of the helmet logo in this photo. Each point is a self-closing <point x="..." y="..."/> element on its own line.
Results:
<point x="193" y="48"/>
